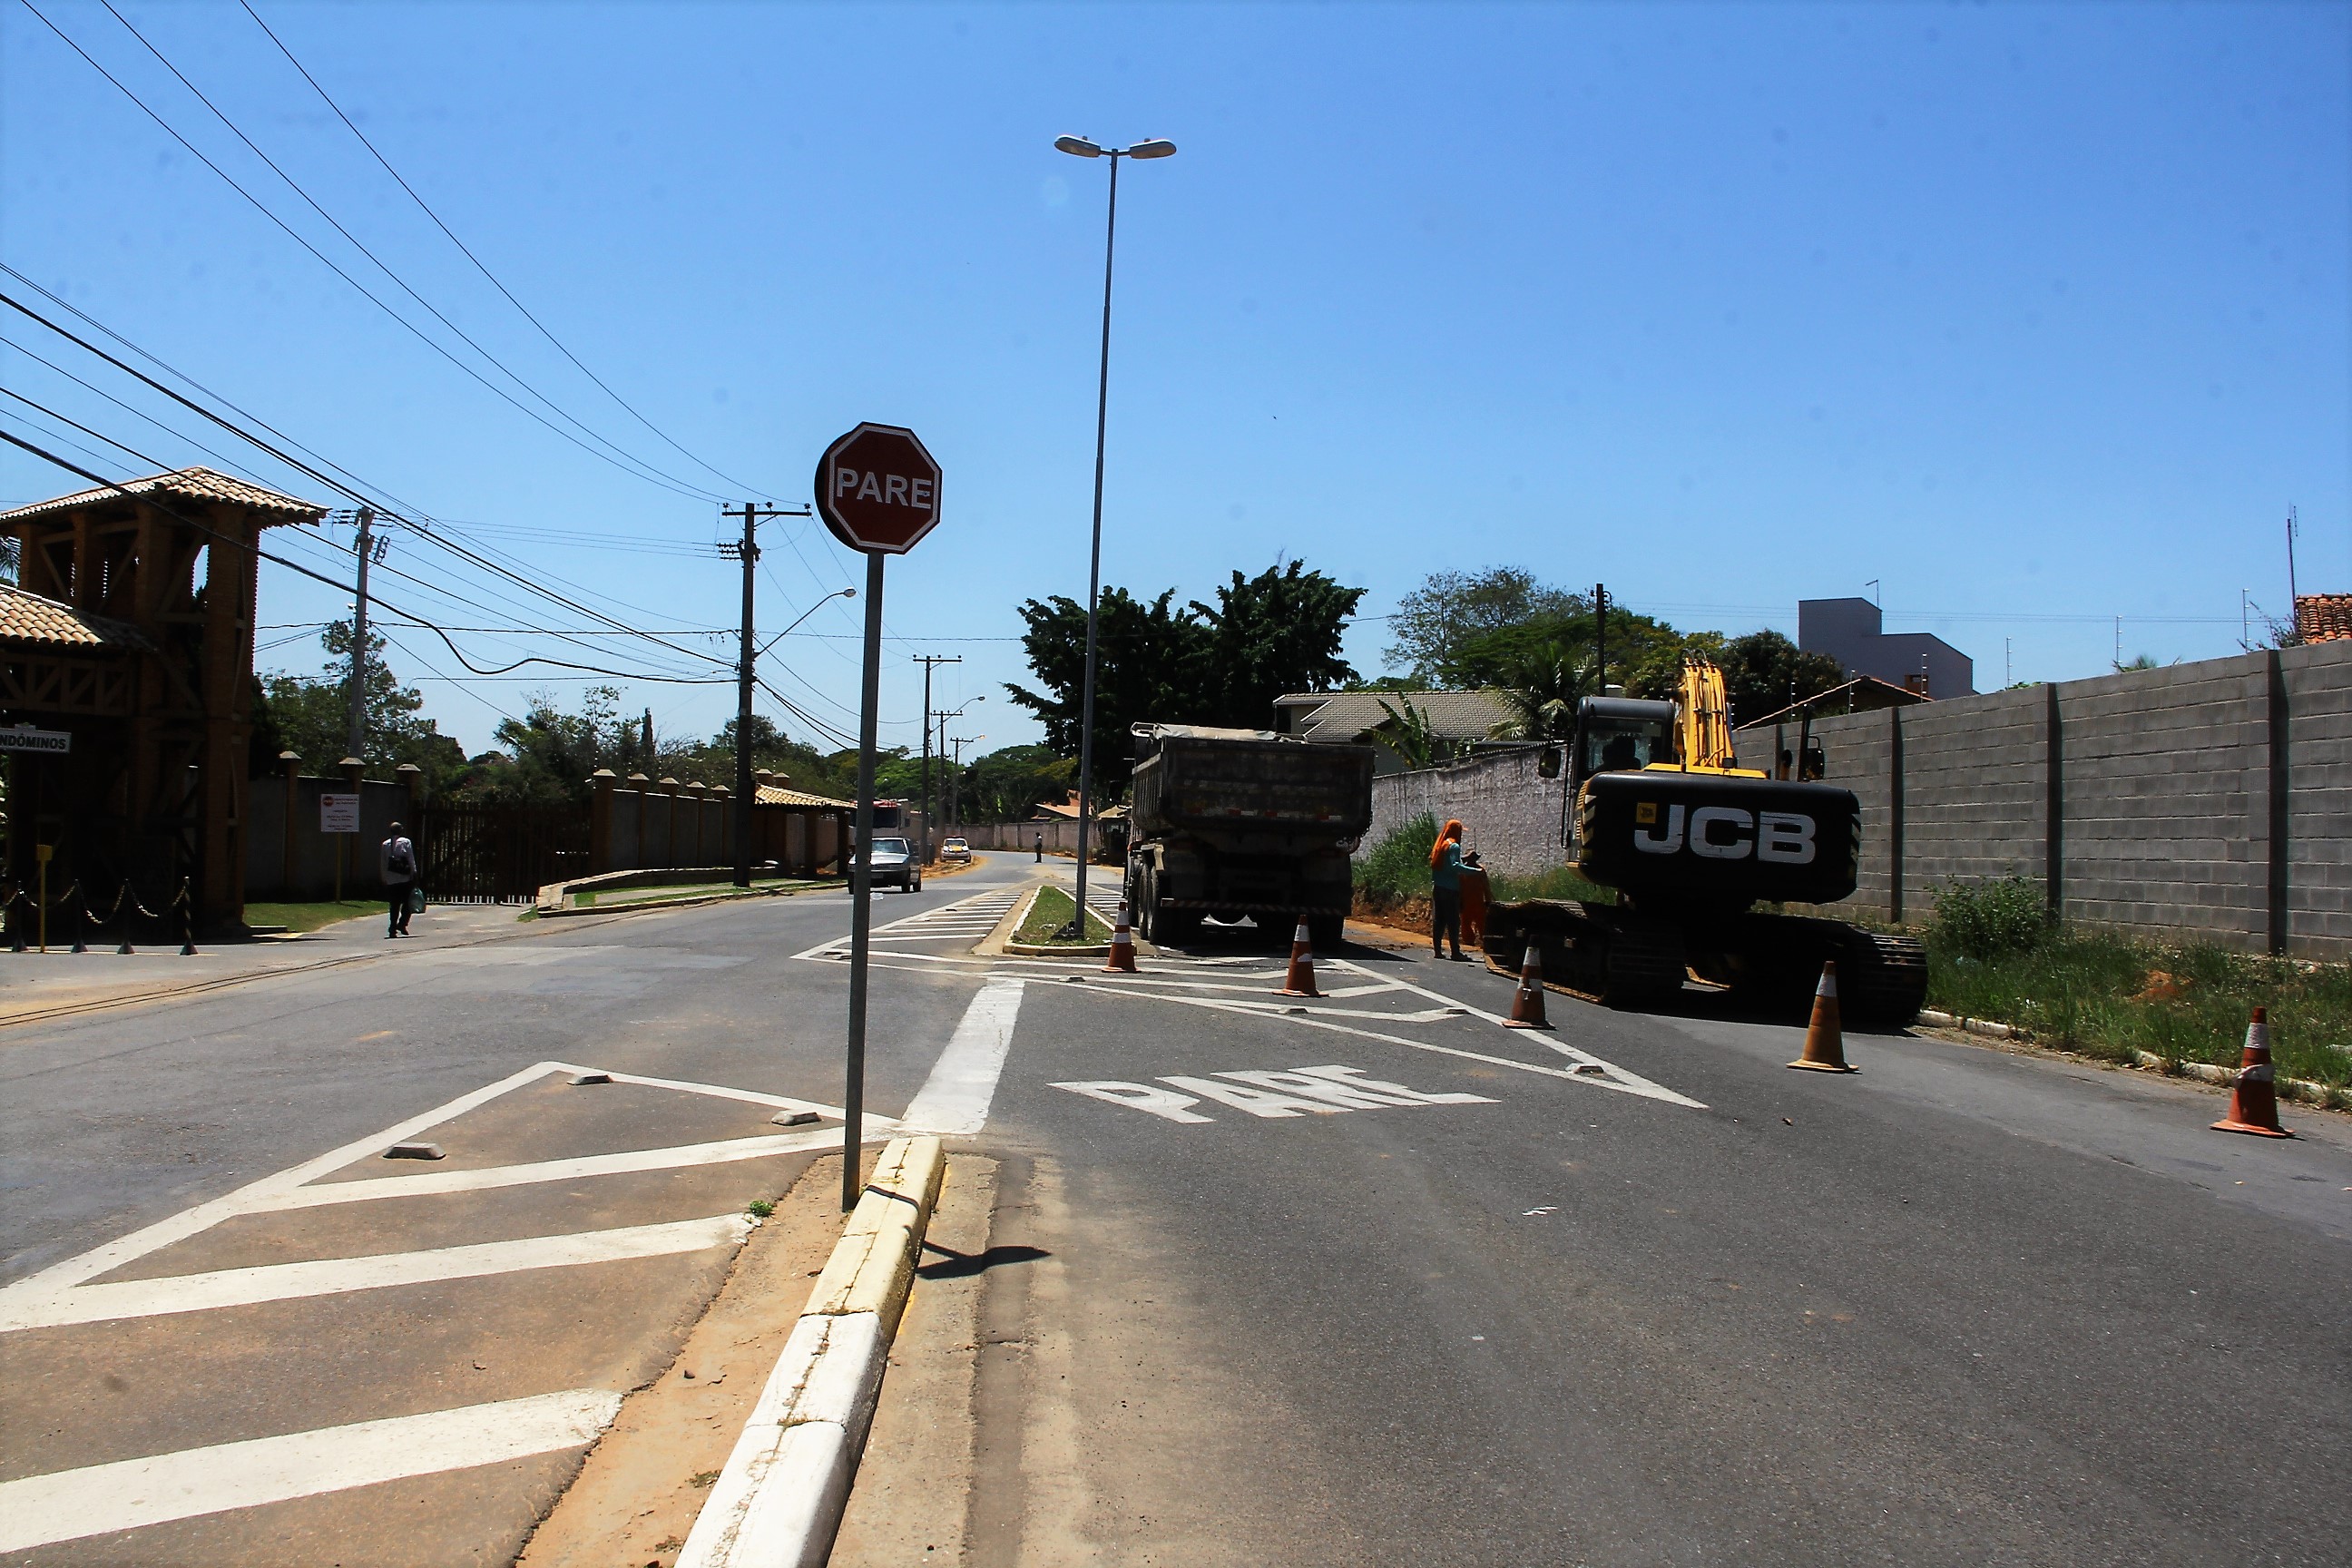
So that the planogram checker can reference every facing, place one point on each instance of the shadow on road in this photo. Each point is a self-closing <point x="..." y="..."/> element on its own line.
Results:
<point x="954" y="1265"/>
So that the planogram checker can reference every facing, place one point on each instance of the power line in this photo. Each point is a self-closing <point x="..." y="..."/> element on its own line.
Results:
<point x="355" y="494"/>
<point x="649" y="475"/>
<point x="479" y="266"/>
<point x="290" y="566"/>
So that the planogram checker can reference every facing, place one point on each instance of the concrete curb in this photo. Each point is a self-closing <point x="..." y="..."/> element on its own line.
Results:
<point x="779" y="1501"/>
<point x="736" y="895"/>
<point x="1041" y="950"/>
<point x="2306" y="1091"/>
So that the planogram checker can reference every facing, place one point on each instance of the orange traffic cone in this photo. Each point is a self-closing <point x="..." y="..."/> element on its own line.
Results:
<point x="1122" y="946"/>
<point x="1299" y="980"/>
<point x="1824" y="1041"/>
<point x="2253" y="1098"/>
<point x="1527" y="1001"/>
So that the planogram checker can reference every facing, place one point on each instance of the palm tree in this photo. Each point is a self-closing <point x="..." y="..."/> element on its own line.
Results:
<point x="1540" y="690"/>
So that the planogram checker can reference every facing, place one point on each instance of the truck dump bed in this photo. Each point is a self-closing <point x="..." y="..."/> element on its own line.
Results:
<point x="1204" y="783"/>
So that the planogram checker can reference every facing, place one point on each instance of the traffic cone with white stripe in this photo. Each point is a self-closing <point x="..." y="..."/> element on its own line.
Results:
<point x="2253" y="1097"/>
<point x="1527" y="1001"/>
<point x="1299" y="980"/>
<point x="1824" y="1040"/>
<point x="1122" y="946"/>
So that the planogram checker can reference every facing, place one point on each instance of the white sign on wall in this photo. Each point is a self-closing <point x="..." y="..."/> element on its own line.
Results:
<point x="339" y="814"/>
<point x="25" y="738"/>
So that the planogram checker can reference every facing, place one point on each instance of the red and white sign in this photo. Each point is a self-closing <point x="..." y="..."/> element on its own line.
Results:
<point x="879" y="489"/>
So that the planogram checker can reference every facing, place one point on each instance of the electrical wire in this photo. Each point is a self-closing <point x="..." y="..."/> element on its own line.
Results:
<point x="290" y="566"/>
<point x="468" y="252"/>
<point x="648" y="476"/>
<point x="355" y="494"/>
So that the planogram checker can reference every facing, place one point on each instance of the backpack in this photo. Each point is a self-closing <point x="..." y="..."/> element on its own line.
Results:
<point x="403" y="863"/>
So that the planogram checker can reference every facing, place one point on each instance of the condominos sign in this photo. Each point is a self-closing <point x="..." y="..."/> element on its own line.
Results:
<point x="879" y="489"/>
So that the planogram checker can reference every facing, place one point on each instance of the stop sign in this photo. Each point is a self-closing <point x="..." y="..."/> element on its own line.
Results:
<point x="878" y="490"/>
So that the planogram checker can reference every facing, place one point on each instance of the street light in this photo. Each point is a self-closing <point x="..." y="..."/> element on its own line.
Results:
<point x="929" y="715"/>
<point x="804" y="615"/>
<point x="1079" y="147"/>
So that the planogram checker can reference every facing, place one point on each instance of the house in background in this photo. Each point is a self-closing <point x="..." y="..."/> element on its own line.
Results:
<point x="1850" y="632"/>
<point x="1456" y="719"/>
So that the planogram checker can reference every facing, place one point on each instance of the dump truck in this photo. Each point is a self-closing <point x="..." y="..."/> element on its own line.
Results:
<point x="1691" y="844"/>
<point x="1235" y="823"/>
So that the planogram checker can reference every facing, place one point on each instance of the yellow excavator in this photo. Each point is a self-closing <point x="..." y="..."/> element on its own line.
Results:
<point x="1691" y="843"/>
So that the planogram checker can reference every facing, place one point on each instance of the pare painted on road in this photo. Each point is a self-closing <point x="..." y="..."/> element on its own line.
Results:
<point x="1301" y="1092"/>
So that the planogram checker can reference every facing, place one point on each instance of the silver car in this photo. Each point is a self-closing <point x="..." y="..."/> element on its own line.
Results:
<point x="895" y="867"/>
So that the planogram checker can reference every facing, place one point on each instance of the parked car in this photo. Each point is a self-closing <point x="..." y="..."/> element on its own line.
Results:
<point x="895" y="867"/>
<point x="954" y="849"/>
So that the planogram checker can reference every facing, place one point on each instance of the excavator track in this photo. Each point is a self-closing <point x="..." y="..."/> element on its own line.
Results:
<point x="1599" y="952"/>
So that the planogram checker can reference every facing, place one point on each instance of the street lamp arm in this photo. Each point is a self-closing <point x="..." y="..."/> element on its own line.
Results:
<point x="804" y="615"/>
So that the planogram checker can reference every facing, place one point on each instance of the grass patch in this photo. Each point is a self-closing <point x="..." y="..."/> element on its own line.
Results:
<point x="1392" y="885"/>
<point x="2096" y="994"/>
<point x="759" y="1208"/>
<point x="1561" y="882"/>
<point x="299" y="918"/>
<point x="1050" y="913"/>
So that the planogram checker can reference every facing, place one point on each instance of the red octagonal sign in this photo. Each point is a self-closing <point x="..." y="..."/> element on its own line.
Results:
<point x="878" y="490"/>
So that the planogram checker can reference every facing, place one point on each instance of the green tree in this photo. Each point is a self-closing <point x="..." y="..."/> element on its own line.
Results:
<point x="1450" y="609"/>
<point x="1150" y="665"/>
<point x="1007" y="783"/>
<point x="310" y="716"/>
<point x="1764" y="672"/>
<point x="1276" y="633"/>
<point x="1540" y="689"/>
<point x="547" y="756"/>
<point x="1222" y="664"/>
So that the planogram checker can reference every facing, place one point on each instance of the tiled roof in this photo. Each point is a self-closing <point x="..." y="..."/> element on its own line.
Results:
<point x="199" y="484"/>
<point x="1340" y="717"/>
<point x="2323" y="618"/>
<point x="29" y="618"/>
<point x="778" y="795"/>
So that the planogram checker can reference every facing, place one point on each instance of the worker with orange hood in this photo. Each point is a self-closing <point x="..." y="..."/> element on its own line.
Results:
<point x="1445" y="895"/>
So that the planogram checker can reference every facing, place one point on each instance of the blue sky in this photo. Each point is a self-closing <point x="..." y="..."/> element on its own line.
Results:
<point x="2037" y="315"/>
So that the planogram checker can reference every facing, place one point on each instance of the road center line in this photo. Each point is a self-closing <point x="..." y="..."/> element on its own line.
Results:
<point x="953" y="1102"/>
<point x="131" y="1494"/>
<point x="333" y="1276"/>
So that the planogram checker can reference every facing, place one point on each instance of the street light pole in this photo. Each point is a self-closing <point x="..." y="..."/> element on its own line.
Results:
<point x="748" y="552"/>
<point x="929" y="661"/>
<point x="1077" y="146"/>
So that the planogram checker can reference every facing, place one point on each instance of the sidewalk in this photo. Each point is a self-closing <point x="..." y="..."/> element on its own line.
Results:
<point x="35" y="986"/>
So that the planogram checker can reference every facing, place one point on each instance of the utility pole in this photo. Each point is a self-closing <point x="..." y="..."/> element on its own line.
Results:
<point x="956" y="777"/>
<point x="1601" y="638"/>
<point x="747" y="551"/>
<point x="929" y="661"/>
<point x="358" y="737"/>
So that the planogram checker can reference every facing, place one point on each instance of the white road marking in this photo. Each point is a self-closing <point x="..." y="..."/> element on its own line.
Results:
<point x="1610" y="1077"/>
<point x="716" y="1091"/>
<point x="675" y="1157"/>
<point x="131" y="1494"/>
<point x="333" y="1276"/>
<point x="954" y="1100"/>
<point x="114" y="1254"/>
<point x="1329" y="1091"/>
<point x="1140" y="1097"/>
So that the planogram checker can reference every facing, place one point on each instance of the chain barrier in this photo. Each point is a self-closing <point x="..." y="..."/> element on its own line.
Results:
<point x="75" y="900"/>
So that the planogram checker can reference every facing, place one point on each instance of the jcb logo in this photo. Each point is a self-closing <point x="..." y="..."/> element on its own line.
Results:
<point x="1727" y="833"/>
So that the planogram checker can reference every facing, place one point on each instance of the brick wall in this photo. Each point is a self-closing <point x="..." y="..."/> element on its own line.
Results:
<point x="2165" y="783"/>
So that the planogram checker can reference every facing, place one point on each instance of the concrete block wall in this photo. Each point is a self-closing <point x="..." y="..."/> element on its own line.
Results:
<point x="2165" y="825"/>
<point x="1509" y="811"/>
<point x="2320" y="796"/>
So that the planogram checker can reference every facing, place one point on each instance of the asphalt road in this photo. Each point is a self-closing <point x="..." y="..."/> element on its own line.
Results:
<point x="232" y="1328"/>
<point x="1625" y="1292"/>
<point x="1692" y="1307"/>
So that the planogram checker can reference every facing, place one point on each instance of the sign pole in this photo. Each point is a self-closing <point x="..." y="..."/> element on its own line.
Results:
<point x="861" y="891"/>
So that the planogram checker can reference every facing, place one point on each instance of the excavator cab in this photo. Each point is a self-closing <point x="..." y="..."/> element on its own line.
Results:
<point x="1620" y="734"/>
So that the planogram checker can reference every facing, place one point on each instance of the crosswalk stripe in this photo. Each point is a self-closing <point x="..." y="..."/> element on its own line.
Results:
<point x="333" y="1276"/>
<point x="131" y="1494"/>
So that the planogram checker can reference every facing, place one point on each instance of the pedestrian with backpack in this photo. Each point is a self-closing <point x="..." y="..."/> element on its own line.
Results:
<point x="398" y="863"/>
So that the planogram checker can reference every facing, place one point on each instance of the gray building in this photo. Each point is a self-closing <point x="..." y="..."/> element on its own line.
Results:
<point x="1849" y="631"/>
